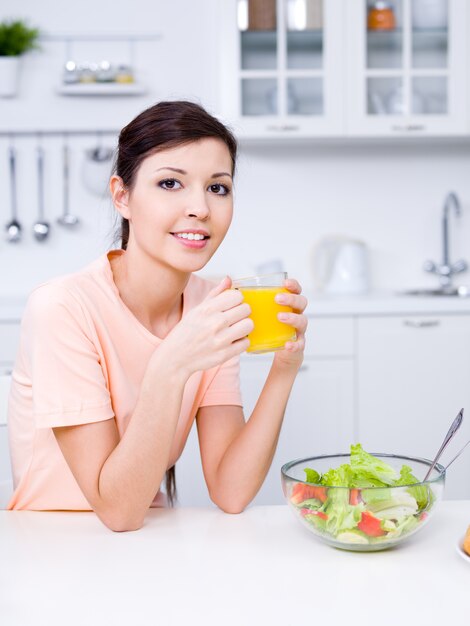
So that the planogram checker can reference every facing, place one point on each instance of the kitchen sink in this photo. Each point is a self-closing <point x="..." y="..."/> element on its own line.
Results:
<point x="454" y="292"/>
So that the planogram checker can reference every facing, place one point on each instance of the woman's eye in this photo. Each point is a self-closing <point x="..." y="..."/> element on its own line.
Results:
<point x="169" y="183"/>
<point x="220" y="190"/>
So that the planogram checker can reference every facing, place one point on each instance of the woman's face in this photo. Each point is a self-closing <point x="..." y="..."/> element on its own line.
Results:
<point x="181" y="204"/>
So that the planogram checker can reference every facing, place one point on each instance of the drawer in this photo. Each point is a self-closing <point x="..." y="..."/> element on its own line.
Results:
<point x="330" y="337"/>
<point x="9" y="341"/>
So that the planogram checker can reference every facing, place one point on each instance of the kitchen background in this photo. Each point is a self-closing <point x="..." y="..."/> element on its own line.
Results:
<point x="368" y="178"/>
<point x="387" y="192"/>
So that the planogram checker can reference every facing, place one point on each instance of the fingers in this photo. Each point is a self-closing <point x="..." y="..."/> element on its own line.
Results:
<point x="236" y="314"/>
<point x="224" y="284"/>
<point x="238" y="330"/>
<point x="299" y="322"/>
<point x="292" y="285"/>
<point x="296" y="302"/>
<point x="295" y="346"/>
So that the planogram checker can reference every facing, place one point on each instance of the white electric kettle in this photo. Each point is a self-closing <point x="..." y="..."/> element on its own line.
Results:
<point x="341" y="266"/>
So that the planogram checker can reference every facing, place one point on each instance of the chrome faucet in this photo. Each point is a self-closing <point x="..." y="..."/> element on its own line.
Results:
<point x="446" y="269"/>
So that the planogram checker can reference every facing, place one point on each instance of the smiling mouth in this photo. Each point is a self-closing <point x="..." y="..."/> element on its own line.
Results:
<point x="191" y="236"/>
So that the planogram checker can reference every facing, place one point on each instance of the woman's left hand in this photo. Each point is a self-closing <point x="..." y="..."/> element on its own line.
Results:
<point x="293" y="352"/>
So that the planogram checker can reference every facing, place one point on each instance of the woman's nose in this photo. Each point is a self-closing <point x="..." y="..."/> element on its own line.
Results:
<point x="198" y="207"/>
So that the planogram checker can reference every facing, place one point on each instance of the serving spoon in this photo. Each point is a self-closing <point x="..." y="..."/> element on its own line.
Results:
<point x="67" y="218"/>
<point x="457" y="455"/>
<point x="449" y="436"/>
<point x="13" y="227"/>
<point x="40" y="227"/>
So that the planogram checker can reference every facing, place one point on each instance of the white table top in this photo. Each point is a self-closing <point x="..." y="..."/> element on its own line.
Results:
<point x="202" y="566"/>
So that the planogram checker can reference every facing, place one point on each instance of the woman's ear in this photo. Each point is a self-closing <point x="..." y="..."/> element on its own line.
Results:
<point x="120" y="196"/>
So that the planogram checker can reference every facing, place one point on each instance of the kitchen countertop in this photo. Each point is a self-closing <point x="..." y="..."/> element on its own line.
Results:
<point x="201" y="566"/>
<point x="384" y="303"/>
<point x="374" y="303"/>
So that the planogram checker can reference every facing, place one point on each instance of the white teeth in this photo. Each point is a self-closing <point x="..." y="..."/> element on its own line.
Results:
<point x="191" y="236"/>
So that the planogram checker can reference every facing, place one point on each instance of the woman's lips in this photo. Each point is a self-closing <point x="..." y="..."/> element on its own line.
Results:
<point x="195" y="244"/>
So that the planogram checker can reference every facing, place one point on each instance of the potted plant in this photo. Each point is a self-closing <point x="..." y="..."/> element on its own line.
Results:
<point x="16" y="38"/>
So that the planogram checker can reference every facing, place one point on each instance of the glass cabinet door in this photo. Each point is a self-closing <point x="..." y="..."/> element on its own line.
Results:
<point x="285" y="79"/>
<point x="412" y="74"/>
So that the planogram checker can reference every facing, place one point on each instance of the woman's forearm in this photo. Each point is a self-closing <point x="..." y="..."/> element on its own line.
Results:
<point x="248" y="458"/>
<point x="133" y="472"/>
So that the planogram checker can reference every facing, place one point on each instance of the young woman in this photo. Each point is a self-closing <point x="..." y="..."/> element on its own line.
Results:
<point x="117" y="361"/>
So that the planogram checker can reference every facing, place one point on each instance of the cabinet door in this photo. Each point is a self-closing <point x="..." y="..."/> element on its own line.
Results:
<point x="280" y="67"/>
<point x="319" y="420"/>
<point x="407" y="68"/>
<point x="413" y="378"/>
<point x="319" y="417"/>
<point x="6" y="487"/>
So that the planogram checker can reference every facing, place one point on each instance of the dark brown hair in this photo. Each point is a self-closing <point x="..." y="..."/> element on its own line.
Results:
<point x="162" y="126"/>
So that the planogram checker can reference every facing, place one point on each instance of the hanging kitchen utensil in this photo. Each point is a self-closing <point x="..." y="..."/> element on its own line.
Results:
<point x="40" y="227"/>
<point x="97" y="168"/>
<point x="66" y="219"/>
<point x="13" y="227"/>
<point x="449" y="436"/>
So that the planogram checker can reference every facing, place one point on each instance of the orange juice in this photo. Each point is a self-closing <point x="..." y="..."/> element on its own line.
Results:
<point x="269" y="333"/>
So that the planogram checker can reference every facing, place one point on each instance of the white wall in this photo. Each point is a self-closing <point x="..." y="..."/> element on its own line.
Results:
<point x="287" y="197"/>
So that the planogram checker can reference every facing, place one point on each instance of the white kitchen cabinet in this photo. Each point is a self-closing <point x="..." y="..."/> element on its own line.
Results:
<point x="319" y="416"/>
<point x="5" y="467"/>
<point x="9" y="340"/>
<point x="411" y="80"/>
<point x="313" y="68"/>
<point x="413" y="376"/>
<point x="280" y="67"/>
<point x="320" y="413"/>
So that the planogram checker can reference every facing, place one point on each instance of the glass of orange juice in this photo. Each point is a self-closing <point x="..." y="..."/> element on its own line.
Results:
<point x="259" y="292"/>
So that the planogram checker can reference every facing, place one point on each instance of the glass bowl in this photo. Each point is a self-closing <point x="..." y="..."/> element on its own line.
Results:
<point x="367" y="519"/>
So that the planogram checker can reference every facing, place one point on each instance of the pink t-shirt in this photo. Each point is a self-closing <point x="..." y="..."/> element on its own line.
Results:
<point x="81" y="359"/>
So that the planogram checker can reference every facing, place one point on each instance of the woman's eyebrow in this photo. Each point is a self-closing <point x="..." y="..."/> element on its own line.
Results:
<point x="173" y="169"/>
<point x="184" y="172"/>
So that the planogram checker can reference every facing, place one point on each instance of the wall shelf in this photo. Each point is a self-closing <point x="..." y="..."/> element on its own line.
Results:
<point x="102" y="89"/>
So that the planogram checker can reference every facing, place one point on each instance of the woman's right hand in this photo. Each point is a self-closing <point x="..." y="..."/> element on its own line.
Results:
<point x="211" y="333"/>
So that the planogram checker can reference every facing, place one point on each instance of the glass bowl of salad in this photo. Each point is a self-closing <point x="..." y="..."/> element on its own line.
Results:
<point x="361" y="501"/>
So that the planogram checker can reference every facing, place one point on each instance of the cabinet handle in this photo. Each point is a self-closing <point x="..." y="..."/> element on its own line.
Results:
<point x="282" y="127"/>
<point x="303" y="368"/>
<point x="408" y="127"/>
<point x="421" y="323"/>
<point x="7" y="371"/>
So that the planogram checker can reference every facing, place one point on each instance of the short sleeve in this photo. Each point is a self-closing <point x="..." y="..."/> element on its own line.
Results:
<point x="225" y="386"/>
<point x="68" y="382"/>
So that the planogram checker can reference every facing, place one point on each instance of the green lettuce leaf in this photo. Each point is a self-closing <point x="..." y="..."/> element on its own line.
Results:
<point x="341" y="514"/>
<point x="404" y="526"/>
<point x="312" y="476"/>
<point x="311" y="503"/>
<point x="399" y="505"/>
<point x="368" y="467"/>
<point x="339" y="477"/>
<point x="421" y="493"/>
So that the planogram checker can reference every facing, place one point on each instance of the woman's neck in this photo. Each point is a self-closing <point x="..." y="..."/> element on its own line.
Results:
<point x="152" y="292"/>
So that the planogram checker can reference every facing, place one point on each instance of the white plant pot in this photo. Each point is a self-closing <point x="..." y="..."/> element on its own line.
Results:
<point x="9" y="74"/>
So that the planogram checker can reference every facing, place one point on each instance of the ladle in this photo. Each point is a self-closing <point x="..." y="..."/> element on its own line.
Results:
<point x="40" y="227"/>
<point x="13" y="227"/>
<point x="449" y="436"/>
<point x="66" y="219"/>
